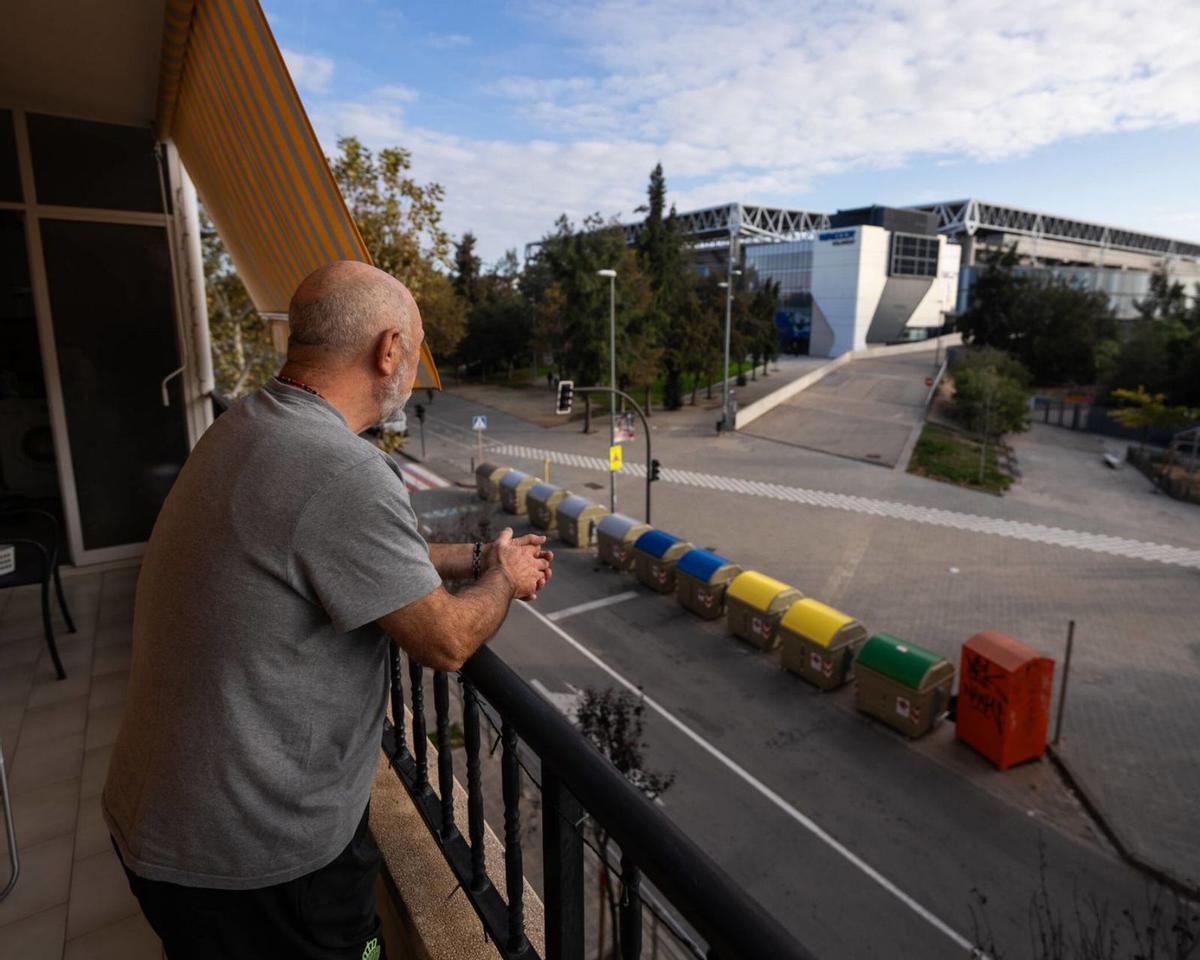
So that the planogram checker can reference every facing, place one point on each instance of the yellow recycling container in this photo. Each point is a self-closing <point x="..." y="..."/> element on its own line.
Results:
<point x="487" y="481"/>
<point x="514" y="486"/>
<point x="820" y="643"/>
<point x="754" y="605"/>
<point x="542" y="502"/>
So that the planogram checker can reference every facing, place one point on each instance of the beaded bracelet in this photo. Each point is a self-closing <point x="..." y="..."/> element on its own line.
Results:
<point x="477" y="561"/>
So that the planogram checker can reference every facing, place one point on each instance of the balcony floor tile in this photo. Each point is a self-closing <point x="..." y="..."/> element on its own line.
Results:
<point x="99" y="894"/>
<point x="38" y="937"/>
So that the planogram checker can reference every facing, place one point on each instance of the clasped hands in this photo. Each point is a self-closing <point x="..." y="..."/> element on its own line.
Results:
<point x="522" y="559"/>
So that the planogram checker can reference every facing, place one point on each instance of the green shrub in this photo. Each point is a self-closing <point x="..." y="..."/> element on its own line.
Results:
<point x="991" y="393"/>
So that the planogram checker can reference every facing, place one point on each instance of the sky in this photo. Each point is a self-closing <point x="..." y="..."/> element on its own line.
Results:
<point x="525" y="109"/>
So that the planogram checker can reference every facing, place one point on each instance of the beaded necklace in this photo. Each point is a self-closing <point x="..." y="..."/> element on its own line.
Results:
<point x="299" y="384"/>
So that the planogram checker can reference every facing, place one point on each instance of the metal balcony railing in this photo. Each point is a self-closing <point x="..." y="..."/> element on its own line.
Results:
<point x="577" y="782"/>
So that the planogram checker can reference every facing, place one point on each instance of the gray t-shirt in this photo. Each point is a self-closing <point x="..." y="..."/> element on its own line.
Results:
<point x="257" y="688"/>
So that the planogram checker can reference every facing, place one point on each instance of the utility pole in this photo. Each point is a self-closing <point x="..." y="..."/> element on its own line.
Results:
<point x="989" y="388"/>
<point x="612" y="379"/>
<point x="725" y="424"/>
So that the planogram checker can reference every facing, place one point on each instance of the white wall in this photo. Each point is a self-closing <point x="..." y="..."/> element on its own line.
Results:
<point x="872" y="278"/>
<point x="849" y="271"/>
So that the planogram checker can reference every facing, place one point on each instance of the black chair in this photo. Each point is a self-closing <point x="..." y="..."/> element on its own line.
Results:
<point x="33" y="536"/>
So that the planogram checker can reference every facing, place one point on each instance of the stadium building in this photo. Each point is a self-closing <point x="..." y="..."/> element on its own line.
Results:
<point x="878" y="275"/>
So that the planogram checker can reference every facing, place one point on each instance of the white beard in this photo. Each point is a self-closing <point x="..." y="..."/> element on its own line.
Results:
<point x="391" y="399"/>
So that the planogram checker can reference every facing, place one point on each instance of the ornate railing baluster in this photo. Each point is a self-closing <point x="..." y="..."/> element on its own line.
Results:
<point x="420" y="742"/>
<point x="514" y="872"/>
<point x="475" y="824"/>
<point x="631" y="909"/>
<point x="445" y="763"/>
<point x="396" y="687"/>
<point x="734" y="925"/>
<point x="562" y="861"/>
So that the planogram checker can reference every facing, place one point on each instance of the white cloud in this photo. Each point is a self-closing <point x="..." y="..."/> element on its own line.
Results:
<point x="395" y="92"/>
<point x="449" y="41"/>
<point x="753" y="100"/>
<point x="312" y="72"/>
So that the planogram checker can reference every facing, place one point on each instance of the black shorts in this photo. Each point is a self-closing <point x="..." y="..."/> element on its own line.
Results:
<point x="328" y="914"/>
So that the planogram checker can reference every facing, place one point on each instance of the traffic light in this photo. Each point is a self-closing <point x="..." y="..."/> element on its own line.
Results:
<point x="421" y="412"/>
<point x="654" y="468"/>
<point x="566" y="394"/>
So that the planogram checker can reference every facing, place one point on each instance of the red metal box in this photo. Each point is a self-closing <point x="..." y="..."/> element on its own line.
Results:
<point x="1004" y="698"/>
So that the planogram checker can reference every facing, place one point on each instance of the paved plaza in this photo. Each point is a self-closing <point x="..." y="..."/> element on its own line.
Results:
<point x="865" y="410"/>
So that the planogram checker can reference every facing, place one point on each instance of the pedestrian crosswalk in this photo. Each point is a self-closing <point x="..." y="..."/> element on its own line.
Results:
<point x="417" y="477"/>
<point x="895" y="510"/>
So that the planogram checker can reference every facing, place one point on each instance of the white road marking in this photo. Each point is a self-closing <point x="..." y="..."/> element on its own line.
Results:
<point x="891" y="509"/>
<point x="565" y="703"/>
<point x="424" y="475"/>
<point x="592" y="605"/>
<point x="760" y="787"/>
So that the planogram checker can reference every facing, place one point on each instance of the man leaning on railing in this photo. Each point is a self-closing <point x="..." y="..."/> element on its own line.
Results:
<point x="285" y="556"/>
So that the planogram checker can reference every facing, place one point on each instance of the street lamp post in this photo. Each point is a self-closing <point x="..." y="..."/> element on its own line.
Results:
<point x="612" y="379"/>
<point x="726" y="420"/>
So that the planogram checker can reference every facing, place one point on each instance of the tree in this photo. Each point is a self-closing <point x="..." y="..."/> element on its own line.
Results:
<point x="497" y="334"/>
<point x="1149" y="411"/>
<point x="990" y="393"/>
<point x="568" y="259"/>
<point x="400" y="221"/>
<point x="707" y="338"/>
<point x="1057" y="330"/>
<point x="243" y="355"/>
<point x="444" y="315"/>
<point x="466" y="269"/>
<point x="1162" y="348"/>
<point x="993" y="314"/>
<point x="661" y="247"/>
<point x="764" y="336"/>
<point x="614" y="722"/>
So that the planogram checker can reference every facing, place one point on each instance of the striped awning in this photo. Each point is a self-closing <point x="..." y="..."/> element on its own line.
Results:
<point x="228" y="103"/>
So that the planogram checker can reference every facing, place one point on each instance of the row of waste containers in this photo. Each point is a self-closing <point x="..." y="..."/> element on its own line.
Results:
<point x="1004" y="688"/>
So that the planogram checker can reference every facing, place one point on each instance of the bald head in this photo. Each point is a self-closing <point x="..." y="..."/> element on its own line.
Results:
<point x="356" y="338"/>
<point x="345" y="305"/>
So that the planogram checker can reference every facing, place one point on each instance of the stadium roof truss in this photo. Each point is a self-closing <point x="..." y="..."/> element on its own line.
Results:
<point x="715" y="225"/>
<point x="972" y="216"/>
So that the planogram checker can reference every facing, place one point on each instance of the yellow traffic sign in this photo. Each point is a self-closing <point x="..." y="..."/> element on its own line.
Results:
<point x="614" y="458"/>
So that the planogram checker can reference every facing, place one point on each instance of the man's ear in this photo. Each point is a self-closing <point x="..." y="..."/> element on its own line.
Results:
<point x="388" y="353"/>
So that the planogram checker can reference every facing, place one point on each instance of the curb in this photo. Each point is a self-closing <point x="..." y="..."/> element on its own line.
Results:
<point x="1181" y="887"/>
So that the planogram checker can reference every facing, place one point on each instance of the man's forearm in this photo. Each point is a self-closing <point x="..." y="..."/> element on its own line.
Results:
<point x="452" y="561"/>
<point x="480" y="609"/>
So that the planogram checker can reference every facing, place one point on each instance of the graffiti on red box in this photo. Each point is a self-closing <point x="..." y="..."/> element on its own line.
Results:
<point x="981" y="689"/>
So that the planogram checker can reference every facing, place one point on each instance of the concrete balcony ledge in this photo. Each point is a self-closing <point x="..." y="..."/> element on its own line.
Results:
<point x="426" y="916"/>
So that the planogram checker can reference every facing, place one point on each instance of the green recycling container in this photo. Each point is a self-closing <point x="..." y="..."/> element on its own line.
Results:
<point x="905" y="686"/>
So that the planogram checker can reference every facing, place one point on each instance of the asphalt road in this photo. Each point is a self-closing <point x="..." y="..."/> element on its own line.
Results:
<point x="859" y="843"/>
